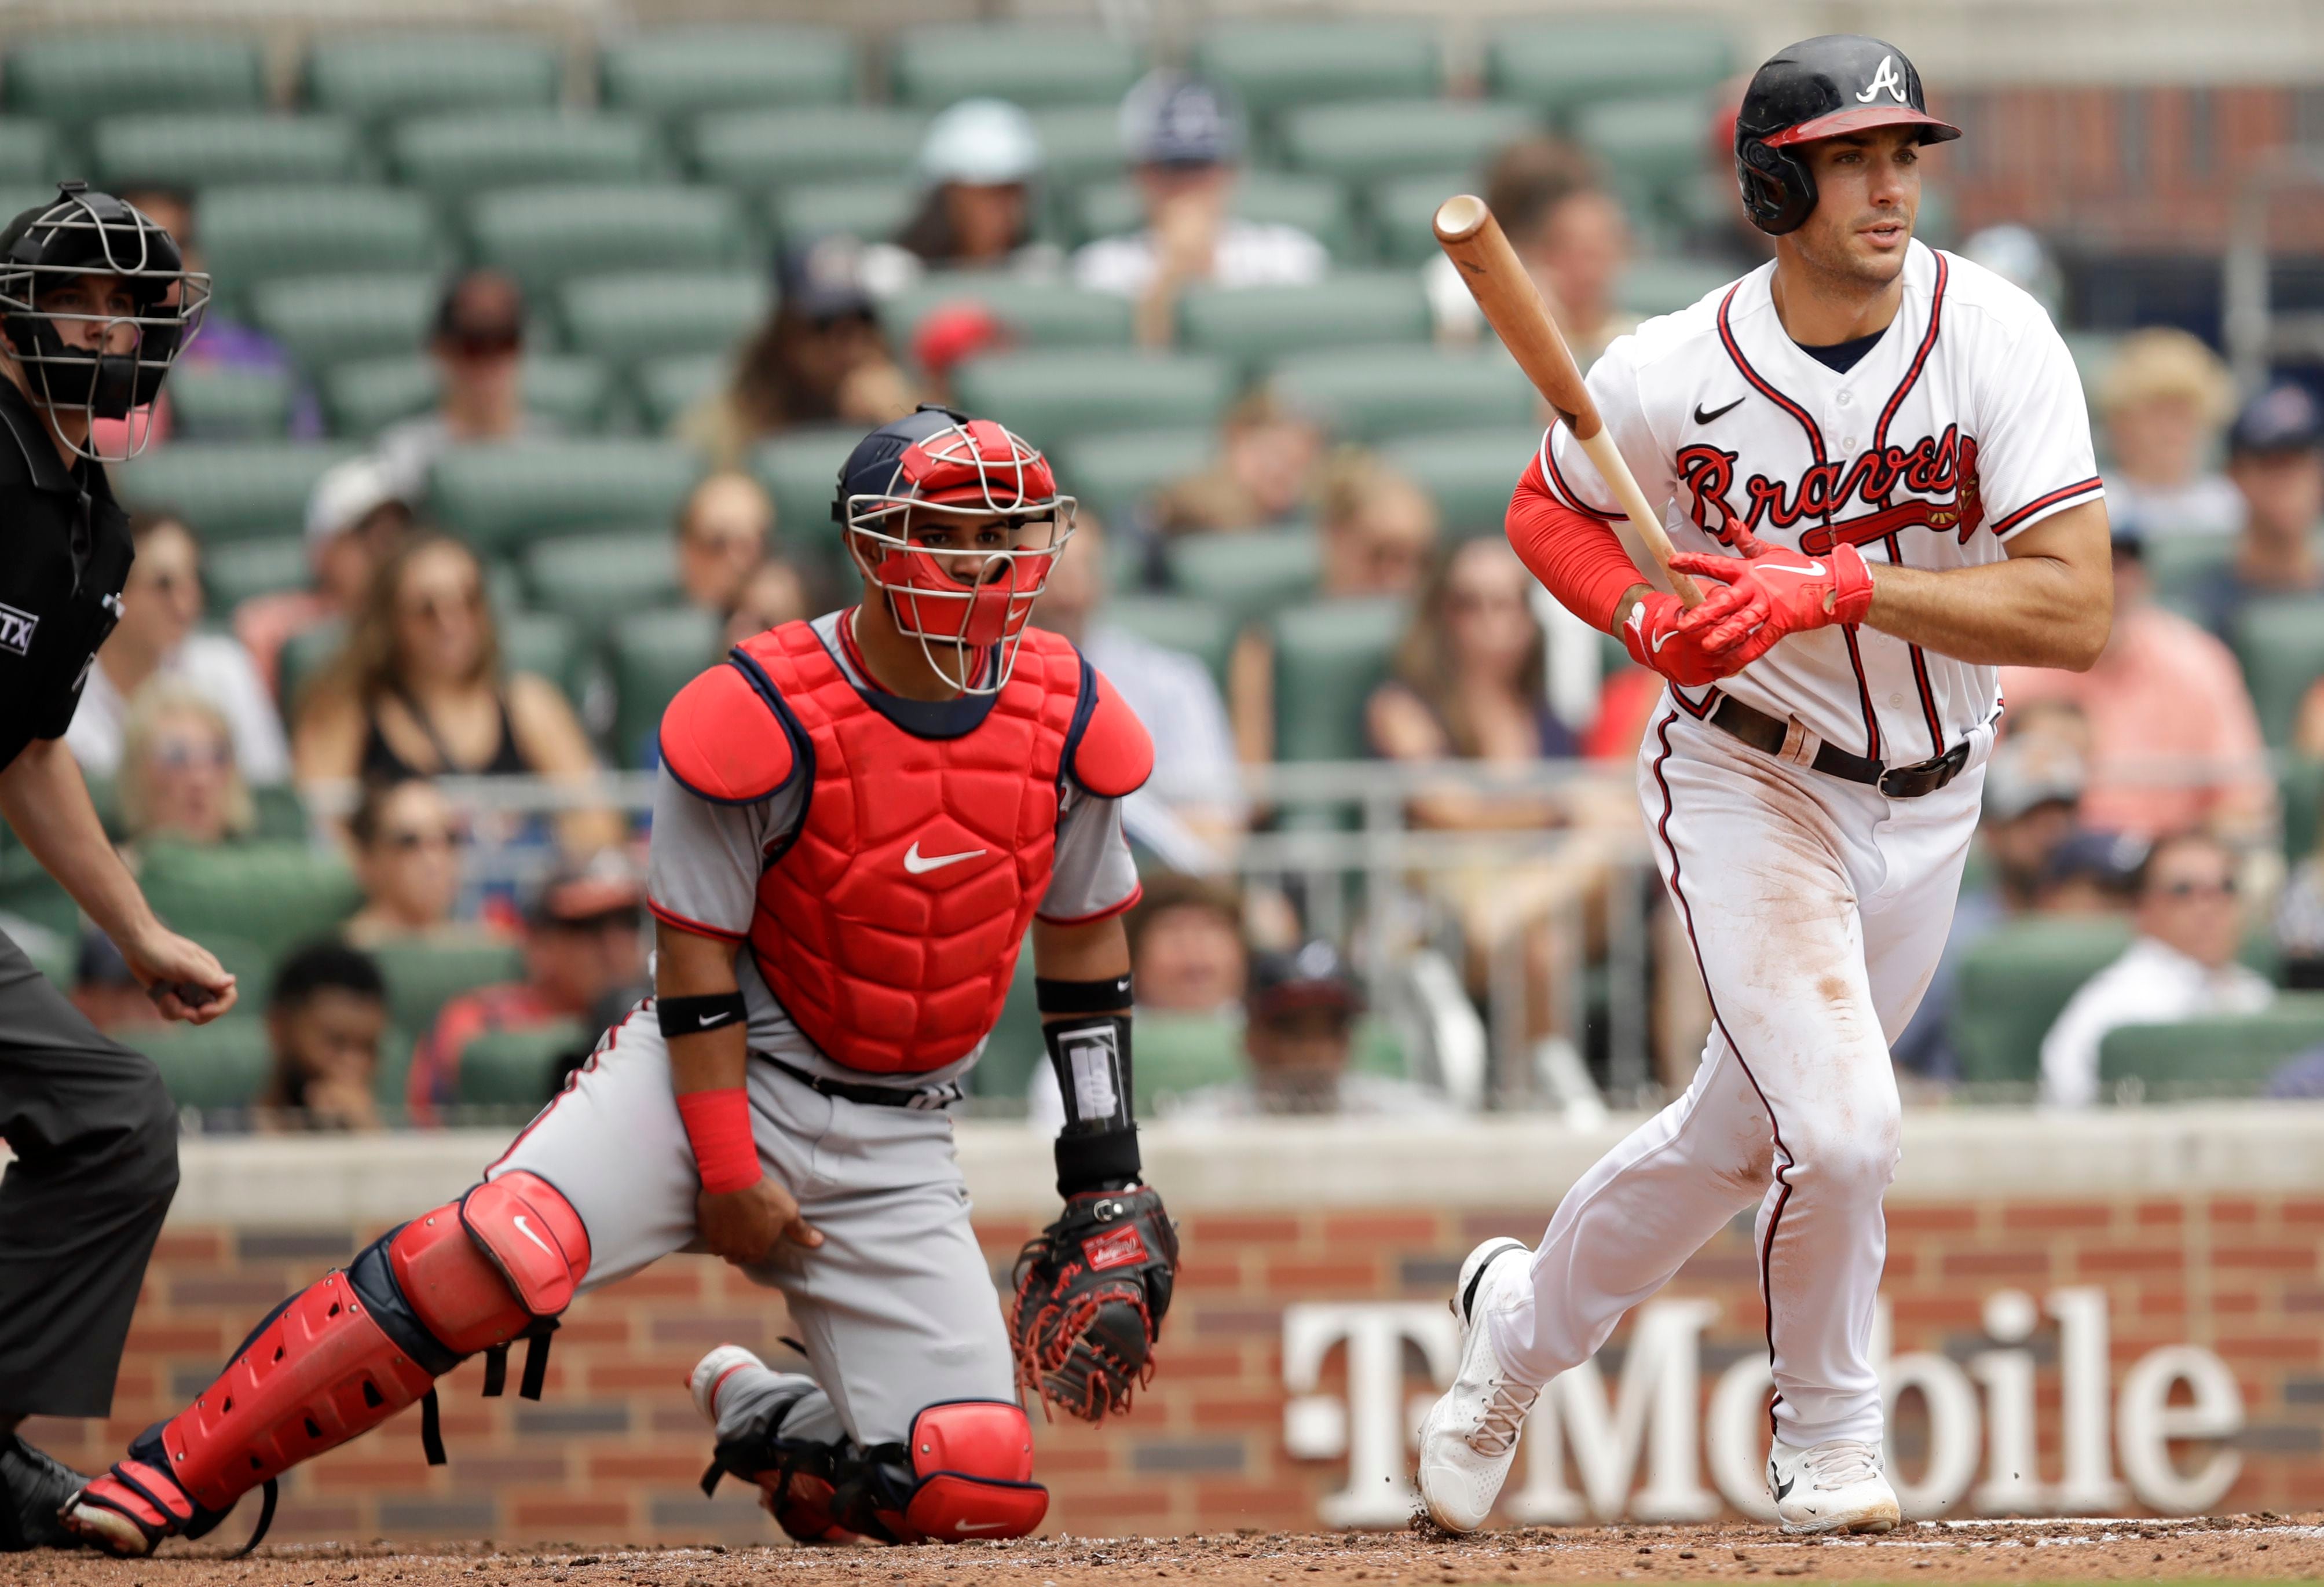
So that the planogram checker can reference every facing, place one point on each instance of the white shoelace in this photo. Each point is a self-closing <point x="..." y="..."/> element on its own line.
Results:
<point x="1504" y="1413"/>
<point x="1842" y="1462"/>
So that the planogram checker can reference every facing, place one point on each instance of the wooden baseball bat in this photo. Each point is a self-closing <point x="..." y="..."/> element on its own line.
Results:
<point x="1474" y="240"/>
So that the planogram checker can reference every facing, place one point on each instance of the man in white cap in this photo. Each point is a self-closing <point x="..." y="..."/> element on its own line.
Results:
<point x="355" y="517"/>
<point x="979" y="169"/>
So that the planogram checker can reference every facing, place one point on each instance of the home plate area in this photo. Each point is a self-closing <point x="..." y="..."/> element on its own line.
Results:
<point x="2262" y="1546"/>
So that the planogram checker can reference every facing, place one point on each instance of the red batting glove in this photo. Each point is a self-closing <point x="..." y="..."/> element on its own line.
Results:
<point x="1657" y="639"/>
<point x="1775" y="593"/>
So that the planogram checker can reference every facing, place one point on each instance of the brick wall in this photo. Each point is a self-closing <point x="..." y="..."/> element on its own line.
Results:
<point x="613" y="1451"/>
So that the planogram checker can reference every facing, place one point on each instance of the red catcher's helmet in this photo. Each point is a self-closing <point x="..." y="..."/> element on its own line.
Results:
<point x="968" y="607"/>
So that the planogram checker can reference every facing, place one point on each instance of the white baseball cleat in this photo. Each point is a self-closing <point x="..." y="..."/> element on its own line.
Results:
<point x="1836" y="1486"/>
<point x="1470" y="1437"/>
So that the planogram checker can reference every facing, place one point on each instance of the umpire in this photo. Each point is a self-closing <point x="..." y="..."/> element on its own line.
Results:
<point x="95" y="305"/>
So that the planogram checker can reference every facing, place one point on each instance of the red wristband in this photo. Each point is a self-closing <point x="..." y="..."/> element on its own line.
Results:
<point x="718" y="1125"/>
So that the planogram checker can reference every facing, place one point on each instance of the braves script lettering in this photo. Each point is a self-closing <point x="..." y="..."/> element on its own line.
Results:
<point x="1935" y="467"/>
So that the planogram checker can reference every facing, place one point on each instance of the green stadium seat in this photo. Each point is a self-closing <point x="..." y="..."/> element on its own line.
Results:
<point x="502" y="497"/>
<point x="422" y="976"/>
<point x="1563" y="65"/>
<point x="1080" y="143"/>
<point x="222" y="1065"/>
<point x="73" y="78"/>
<point x="666" y="389"/>
<point x="800" y="470"/>
<point x="758" y="150"/>
<point x="452" y="157"/>
<point x="255" y="235"/>
<point x="275" y="896"/>
<point x="379" y="77"/>
<point x="1329" y="657"/>
<point x="2227" y="1055"/>
<point x="1256" y="326"/>
<point x="1178" y="1053"/>
<point x="668" y="72"/>
<point x="193" y="149"/>
<point x="1052" y="397"/>
<point x="1204" y="630"/>
<point x="1037" y="313"/>
<point x="2015" y="981"/>
<point x="1382" y="394"/>
<point x="632" y="318"/>
<point x="304" y="657"/>
<point x="1401" y="210"/>
<point x="234" y="573"/>
<point x="1115" y="474"/>
<point x="363" y="397"/>
<point x="1316" y="205"/>
<point x="1652" y="147"/>
<point x="326" y="320"/>
<point x="1277" y="66"/>
<point x="1664" y="286"/>
<point x="865" y="208"/>
<point x="230" y="490"/>
<point x="2281" y="644"/>
<point x="1032" y="63"/>
<point x="2177" y="562"/>
<point x="1015" y="1049"/>
<point x="548" y="236"/>
<point x="1366" y="140"/>
<point x="221" y="402"/>
<point x="28" y="152"/>
<point x="2300" y="789"/>
<point x="512" y="1069"/>
<point x="654" y="654"/>
<point x="1470" y="473"/>
<point x="548" y="645"/>
<point x="1248" y="575"/>
<point x="590" y="577"/>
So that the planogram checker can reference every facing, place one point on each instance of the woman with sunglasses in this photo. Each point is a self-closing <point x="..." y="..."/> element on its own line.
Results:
<point x="477" y="342"/>
<point x="408" y="845"/>
<point x="180" y="780"/>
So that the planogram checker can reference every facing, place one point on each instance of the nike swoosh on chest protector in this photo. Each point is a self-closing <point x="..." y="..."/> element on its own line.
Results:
<point x="920" y="866"/>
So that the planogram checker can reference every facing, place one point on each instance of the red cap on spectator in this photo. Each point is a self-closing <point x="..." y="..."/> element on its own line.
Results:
<point x="952" y="332"/>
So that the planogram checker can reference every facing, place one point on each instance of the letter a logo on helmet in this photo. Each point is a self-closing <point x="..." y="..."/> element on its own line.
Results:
<point x="1885" y="77"/>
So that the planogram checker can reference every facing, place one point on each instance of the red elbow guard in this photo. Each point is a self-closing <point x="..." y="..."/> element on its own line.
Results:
<point x="1577" y="558"/>
<point x="718" y="1127"/>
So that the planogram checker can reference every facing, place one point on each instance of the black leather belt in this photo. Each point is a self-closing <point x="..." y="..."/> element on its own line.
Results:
<point x="926" y="1099"/>
<point x="1772" y="736"/>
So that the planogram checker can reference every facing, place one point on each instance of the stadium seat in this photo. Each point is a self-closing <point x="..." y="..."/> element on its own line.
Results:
<point x="1032" y="63"/>
<point x="2176" y="563"/>
<point x="222" y="1065"/>
<point x="423" y="976"/>
<point x="1053" y="397"/>
<point x="502" y="497"/>
<point x="363" y="397"/>
<point x="670" y="72"/>
<point x="633" y="317"/>
<point x="1316" y="205"/>
<point x="1378" y="394"/>
<point x="1204" y="630"/>
<point x="1037" y="313"/>
<point x="2280" y="644"/>
<point x="590" y="577"/>
<point x="548" y="236"/>
<point x="1329" y="657"/>
<point x="1402" y="210"/>
<point x="800" y="471"/>
<point x="512" y="1069"/>
<point x="2300" y="788"/>
<point x="1468" y="473"/>
<point x="864" y="208"/>
<point x="326" y="320"/>
<point x="1256" y="326"/>
<point x="73" y="78"/>
<point x="2225" y="1055"/>
<point x="654" y="654"/>
<point x="2013" y="982"/>
<point x="1249" y="575"/>
<point x="1080" y="143"/>
<point x="192" y="150"/>
<point x="230" y="490"/>
<point x="1652" y="146"/>
<point x="758" y="150"/>
<point x="1648" y="287"/>
<point x="378" y="76"/>
<point x="1178" y="1053"/>
<point x="1115" y="474"/>
<point x="305" y="656"/>
<point x="255" y="235"/>
<point x="453" y="157"/>
<point x="1365" y="140"/>
<point x="1277" y="66"/>
<point x="234" y="573"/>
<point x="550" y="646"/>
<point x="274" y="896"/>
<point x="1015" y="1048"/>
<point x="666" y="389"/>
<point x="1563" y="65"/>
<point x="28" y="152"/>
<point x="221" y="402"/>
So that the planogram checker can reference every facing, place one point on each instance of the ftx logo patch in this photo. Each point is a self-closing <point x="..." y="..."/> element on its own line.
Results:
<point x="16" y="630"/>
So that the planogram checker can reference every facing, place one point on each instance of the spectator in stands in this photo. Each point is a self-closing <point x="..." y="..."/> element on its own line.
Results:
<point x="1187" y="954"/>
<point x="2180" y="965"/>
<point x="818" y="359"/>
<point x="979" y="169"/>
<point x="1569" y="231"/>
<point x="2299" y="923"/>
<point x="2275" y="460"/>
<point x="1185" y="139"/>
<point x="477" y="340"/>
<point x="156" y="638"/>
<point x="584" y="953"/>
<point x="407" y="845"/>
<point x="325" y="1021"/>
<point x="773" y="594"/>
<point x="419" y="692"/>
<point x="178" y="778"/>
<point x="1264" y="476"/>
<point x="2091" y="873"/>
<point x="2164" y="399"/>
<point x="354" y="522"/>
<point x="2174" y="741"/>
<point x="1299" y="1041"/>
<point x="723" y="530"/>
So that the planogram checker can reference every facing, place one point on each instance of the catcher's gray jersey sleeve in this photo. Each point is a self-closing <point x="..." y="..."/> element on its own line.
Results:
<point x="702" y="872"/>
<point x="1095" y="875"/>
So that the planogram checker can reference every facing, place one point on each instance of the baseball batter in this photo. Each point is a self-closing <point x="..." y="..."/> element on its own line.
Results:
<point x="858" y="820"/>
<point x="1875" y="458"/>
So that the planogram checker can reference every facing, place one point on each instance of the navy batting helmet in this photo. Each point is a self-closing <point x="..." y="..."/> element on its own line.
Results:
<point x="1818" y="88"/>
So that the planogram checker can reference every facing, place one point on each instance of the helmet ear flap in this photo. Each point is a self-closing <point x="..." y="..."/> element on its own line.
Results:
<point x="1778" y="188"/>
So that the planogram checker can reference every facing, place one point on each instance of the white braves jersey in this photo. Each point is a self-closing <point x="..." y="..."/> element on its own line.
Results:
<point x="1963" y="426"/>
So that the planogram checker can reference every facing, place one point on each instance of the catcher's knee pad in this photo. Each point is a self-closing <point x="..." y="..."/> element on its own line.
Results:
<point x="972" y="1463"/>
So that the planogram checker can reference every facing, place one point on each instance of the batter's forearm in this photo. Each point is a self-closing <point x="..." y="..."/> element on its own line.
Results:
<point x="2027" y="612"/>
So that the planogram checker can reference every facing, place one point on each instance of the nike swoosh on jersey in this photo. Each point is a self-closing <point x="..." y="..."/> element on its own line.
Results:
<point x="529" y="1234"/>
<point x="920" y="866"/>
<point x="1703" y="418"/>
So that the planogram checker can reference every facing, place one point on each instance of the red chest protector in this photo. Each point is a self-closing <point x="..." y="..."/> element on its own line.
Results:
<point x="889" y="926"/>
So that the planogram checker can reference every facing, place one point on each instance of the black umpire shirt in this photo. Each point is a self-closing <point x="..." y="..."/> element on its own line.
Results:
<point x="64" y="556"/>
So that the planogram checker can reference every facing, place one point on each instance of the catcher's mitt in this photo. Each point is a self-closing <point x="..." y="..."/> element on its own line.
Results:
<point x="1091" y="1289"/>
